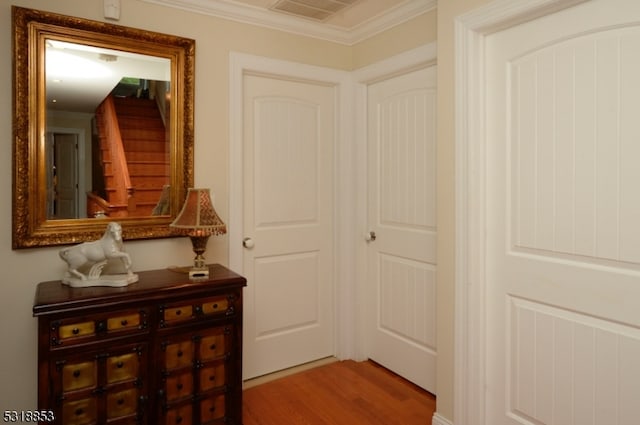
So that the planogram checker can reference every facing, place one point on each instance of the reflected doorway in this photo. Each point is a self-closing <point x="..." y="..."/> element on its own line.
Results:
<point x="65" y="175"/>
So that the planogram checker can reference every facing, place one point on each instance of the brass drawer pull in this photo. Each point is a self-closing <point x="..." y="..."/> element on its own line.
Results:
<point x="75" y="331"/>
<point x="119" y="365"/>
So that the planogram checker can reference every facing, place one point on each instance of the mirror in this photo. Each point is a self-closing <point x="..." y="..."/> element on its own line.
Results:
<point x="103" y="129"/>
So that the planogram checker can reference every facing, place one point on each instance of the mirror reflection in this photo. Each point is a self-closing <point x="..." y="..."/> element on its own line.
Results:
<point x="107" y="141"/>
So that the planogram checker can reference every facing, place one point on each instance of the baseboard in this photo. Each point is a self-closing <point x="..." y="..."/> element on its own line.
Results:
<point x="286" y="372"/>
<point x="439" y="420"/>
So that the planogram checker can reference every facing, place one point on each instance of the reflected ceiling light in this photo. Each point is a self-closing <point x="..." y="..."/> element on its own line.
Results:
<point x="62" y="64"/>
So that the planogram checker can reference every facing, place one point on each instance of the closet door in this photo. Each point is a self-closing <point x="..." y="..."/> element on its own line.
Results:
<point x="402" y="225"/>
<point x="288" y="156"/>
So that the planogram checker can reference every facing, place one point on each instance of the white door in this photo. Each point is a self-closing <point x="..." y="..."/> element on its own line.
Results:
<point x="65" y="175"/>
<point x="563" y="218"/>
<point x="289" y="135"/>
<point x="402" y="219"/>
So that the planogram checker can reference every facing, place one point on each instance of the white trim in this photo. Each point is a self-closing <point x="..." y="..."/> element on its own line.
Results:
<point x="439" y="420"/>
<point x="270" y="19"/>
<point x="471" y="30"/>
<point x="420" y="57"/>
<point x="241" y="64"/>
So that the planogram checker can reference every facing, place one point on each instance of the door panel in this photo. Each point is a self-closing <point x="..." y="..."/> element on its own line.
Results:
<point x="288" y="215"/>
<point x="66" y="175"/>
<point x="563" y="269"/>
<point x="402" y="205"/>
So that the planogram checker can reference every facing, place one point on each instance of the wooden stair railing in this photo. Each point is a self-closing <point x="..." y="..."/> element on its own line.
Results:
<point x="146" y="144"/>
<point x="120" y="190"/>
<point x="97" y="206"/>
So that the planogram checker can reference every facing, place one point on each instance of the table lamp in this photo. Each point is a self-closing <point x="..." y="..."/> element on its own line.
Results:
<point x="198" y="220"/>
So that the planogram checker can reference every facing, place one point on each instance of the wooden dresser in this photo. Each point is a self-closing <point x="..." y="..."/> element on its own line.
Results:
<point x="164" y="350"/>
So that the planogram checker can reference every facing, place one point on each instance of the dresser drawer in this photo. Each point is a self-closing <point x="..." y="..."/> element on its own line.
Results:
<point x="217" y="305"/>
<point x="178" y="354"/>
<point x="180" y="313"/>
<point x="195" y="310"/>
<point x="76" y="330"/>
<point x="122" y="403"/>
<point x="80" y="412"/>
<point x="126" y="322"/>
<point x="214" y="346"/>
<point x="212" y="408"/>
<point x="70" y="331"/>
<point x="79" y="375"/>
<point x="123" y="367"/>
<point x="213" y="376"/>
<point x="178" y="386"/>
<point x="182" y="415"/>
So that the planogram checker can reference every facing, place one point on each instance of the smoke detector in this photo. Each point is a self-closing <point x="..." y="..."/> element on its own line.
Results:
<point x="318" y="10"/>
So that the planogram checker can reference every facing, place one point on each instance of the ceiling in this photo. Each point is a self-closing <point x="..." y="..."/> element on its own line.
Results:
<point x="79" y="77"/>
<point x="342" y="21"/>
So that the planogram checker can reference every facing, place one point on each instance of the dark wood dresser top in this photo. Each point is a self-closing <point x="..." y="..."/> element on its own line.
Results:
<point x="55" y="296"/>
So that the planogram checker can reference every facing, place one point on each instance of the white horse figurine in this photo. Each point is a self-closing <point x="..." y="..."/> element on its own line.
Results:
<point x="97" y="254"/>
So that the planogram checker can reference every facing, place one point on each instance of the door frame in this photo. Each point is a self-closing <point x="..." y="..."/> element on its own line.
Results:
<point x="470" y="32"/>
<point x="241" y="64"/>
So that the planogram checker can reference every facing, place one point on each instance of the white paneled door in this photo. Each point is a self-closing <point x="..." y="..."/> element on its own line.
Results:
<point x="563" y="218"/>
<point x="289" y="136"/>
<point x="401" y="332"/>
<point x="63" y="176"/>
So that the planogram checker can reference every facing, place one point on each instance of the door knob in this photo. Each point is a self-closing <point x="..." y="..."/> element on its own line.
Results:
<point x="370" y="237"/>
<point x="247" y="243"/>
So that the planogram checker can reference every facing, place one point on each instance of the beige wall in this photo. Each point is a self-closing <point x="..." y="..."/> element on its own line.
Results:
<point x="413" y="33"/>
<point x="215" y="38"/>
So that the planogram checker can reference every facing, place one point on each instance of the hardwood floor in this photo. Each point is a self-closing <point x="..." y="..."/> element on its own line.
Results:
<point x="346" y="392"/>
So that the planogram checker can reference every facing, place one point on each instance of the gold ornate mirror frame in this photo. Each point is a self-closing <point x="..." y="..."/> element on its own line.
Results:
<point x="32" y="29"/>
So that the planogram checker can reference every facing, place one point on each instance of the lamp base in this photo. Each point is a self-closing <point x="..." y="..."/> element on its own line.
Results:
<point x="198" y="273"/>
<point x="195" y="273"/>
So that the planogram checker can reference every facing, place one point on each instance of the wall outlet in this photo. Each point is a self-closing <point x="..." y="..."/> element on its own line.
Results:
<point x="112" y="9"/>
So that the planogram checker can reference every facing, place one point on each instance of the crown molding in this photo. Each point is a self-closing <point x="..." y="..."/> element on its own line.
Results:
<point x="274" y="20"/>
